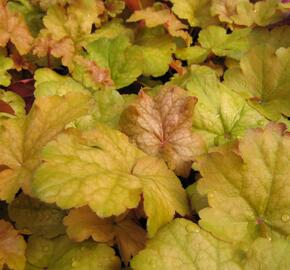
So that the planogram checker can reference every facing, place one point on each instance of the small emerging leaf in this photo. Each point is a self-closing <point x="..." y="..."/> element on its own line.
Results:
<point x="6" y="63"/>
<point x="216" y="39"/>
<point x="15" y="102"/>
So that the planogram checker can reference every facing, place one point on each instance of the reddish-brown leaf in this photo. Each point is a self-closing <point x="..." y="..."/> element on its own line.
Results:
<point x="6" y="108"/>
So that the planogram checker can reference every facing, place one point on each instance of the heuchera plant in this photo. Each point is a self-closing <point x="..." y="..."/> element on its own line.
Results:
<point x="144" y="135"/>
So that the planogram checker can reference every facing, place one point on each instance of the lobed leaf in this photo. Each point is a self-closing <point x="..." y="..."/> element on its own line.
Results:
<point x="248" y="191"/>
<point x="22" y="139"/>
<point x="123" y="230"/>
<point x="159" y="14"/>
<point x="270" y="95"/>
<point x="197" y="12"/>
<point x="220" y="115"/>
<point x="106" y="154"/>
<point x="183" y="245"/>
<point x="161" y="127"/>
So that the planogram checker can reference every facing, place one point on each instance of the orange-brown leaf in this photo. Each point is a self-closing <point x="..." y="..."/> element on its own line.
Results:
<point x="5" y="107"/>
<point x="63" y="48"/>
<point x="98" y="74"/>
<point x="82" y="223"/>
<point x="161" y="15"/>
<point x="162" y="126"/>
<point x="12" y="247"/>
<point x="13" y="28"/>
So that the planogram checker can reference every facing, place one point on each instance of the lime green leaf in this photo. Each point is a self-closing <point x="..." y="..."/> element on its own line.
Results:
<point x="22" y="139"/>
<point x="216" y="39"/>
<point x="268" y="94"/>
<point x="268" y="255"/>
<point x="161" y="127"/>
<point x="183" y="245"/>
<point x="107" y="108"/>
<point x="157" y="48"/>
<point x="112" y="29"/>
<point x="15" y="102"/>
<point x="6" y="63"/>
<point x="47" y="218"/>
<point x="110" y="106"/>
<point x="119" y="56"/>
<point x="220" y="114"/>
<point x="197" y="12"/>
<point x="49" y="83"/>
<point x="12" y="247"/>
<point x="193" y="54"/>
<point x="83" y="223"/>
<point x="115" y="175"/>
<point x="248" y="193"/>
<point x="62" y="254"/>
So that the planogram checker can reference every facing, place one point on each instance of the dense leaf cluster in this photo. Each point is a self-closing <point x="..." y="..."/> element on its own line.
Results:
<point x="142" y="134"/>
